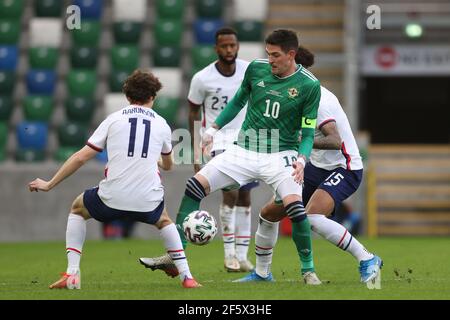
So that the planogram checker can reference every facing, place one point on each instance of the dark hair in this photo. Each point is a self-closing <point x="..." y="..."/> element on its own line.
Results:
<point x="140" y="86"/>
<point x="304" y="57"/>
<point x="225" y="31"/>
<point x="286" y="39"/>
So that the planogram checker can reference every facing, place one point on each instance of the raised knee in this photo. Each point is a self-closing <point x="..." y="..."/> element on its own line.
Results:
<point x="194" y="189"/>
<point x="296" y="211"/>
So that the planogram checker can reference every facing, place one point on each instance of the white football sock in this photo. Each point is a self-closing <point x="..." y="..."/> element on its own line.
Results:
<point x="243" y="231"/>
<point x="227" y="223"/>
<point x="338" y="235"/>
<point x="174" y="248"/>
<point x="75" y="236"/>
<point x="265" y="239"/>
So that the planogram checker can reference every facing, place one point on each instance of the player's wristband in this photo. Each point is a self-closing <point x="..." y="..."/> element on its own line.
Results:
<point x="211" y="131"/>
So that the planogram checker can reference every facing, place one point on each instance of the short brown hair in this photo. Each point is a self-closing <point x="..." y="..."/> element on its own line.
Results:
<point x="140" y="86"/>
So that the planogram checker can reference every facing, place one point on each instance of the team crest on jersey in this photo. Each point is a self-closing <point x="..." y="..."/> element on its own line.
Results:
<point x="293" y="92"/>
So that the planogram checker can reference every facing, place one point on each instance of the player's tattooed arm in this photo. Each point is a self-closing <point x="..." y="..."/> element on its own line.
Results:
<point x="331" y="140"/>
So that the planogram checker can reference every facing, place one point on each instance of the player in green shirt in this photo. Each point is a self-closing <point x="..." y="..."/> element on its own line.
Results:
<point x="283" y="99"/>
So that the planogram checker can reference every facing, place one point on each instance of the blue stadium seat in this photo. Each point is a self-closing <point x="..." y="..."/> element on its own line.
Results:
<point x="205" y="29"/>
<point x="32" y="135"/>
<point x="41" y="81"/>
<point x="91" y="9"/>
<point x="8" y="57"/>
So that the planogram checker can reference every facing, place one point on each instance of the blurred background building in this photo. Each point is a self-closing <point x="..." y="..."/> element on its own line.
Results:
<point x="387" y="61"/>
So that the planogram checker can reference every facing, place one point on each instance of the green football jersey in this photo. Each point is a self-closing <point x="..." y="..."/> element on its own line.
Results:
<point x="278" y="108"/>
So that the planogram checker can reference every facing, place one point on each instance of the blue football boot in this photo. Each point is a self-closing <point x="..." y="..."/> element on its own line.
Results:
<point x="369" y="269"/>
<point x="254" y="277"/>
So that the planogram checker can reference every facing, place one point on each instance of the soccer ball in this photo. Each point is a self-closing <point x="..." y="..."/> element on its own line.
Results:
<point x="199" y="227"/>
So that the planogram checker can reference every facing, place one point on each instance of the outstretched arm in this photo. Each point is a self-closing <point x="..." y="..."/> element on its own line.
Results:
<point x="70" y="166"/>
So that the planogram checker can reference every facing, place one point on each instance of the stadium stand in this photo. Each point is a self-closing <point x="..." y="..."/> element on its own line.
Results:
<point x="73" y="78"/>
<point x="409" y="188"/>
<point x="48" y="8"/>
<point x="171" y="9"/>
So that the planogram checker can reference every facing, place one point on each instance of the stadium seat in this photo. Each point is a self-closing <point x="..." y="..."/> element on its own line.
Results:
<point x="114" y="102"/>
<point x="8" y="57"/>
<point x="251" y="50"/>
<point x="249" y="30"/>
<point x="38" y="108"/>
<point x="40" y="81"/>
<point x="64" y="153"/>
<point x="46" y="32"/>
<point x="124" y="57"/>
<point x="32" y="135"/>
<point x="48" y="8"/>
<point x="11" y="9"/>
<point x="9" y="31"/>
<point x="3" y="134"/>
<point x="116" y="80"/>
<point x="80" y="109"/>
<point x="6" y="107"/>
<point x="166" y="56"/>
<point x="7" y="80"/>
<point x="172" y="9"/>
<point x="202" y="55"/>
<point x="30" y="155"/>
<point x="88" y="34"/>
<point x="205" y="30"/>
<point x="209" y="8"/>
<point x="83" y="57"/>
<point x="256" y="11"/>
<point x="172" y="77"/>
<point x="127" y="32"/>
<point x="43" y="57"/>
<point x="123" y="11"/>
<point x="168" y="31"/>
<point x="90" y="9"/>
<point x="167" y="108"/>
<point x="72" y="134"/>
<point x="81" y="82"/>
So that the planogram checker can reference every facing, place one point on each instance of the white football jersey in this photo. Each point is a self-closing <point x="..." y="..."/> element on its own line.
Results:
<point x="212" y="90"/>
<point x="135" y="137"/>
<point x="348" y="157"/>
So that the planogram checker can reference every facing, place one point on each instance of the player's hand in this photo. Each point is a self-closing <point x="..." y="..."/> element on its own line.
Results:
<point x="207" y="139"/>
<point x="39" y="184"/>
<point x="298" y="173"/>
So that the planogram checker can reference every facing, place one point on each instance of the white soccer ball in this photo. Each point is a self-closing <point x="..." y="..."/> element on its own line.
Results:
<point x="199" y="227"/>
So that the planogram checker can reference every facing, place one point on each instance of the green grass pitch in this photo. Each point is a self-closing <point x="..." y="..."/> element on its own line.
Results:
<point x="415" y="268"/>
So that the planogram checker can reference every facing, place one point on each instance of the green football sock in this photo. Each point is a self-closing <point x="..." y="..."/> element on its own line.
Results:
<point x="187" y="206"/>
<point x="301" y="234"/>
